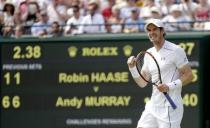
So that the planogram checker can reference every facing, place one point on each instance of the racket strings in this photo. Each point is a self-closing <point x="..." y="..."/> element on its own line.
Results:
<point x="142" y="67"/>
<point x="147" y="63"/>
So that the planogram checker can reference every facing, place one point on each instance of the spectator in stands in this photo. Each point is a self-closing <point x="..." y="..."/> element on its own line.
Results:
<point x="43" y="4"/>
<point x="165" y="7"/>
<point x="18" y="31"/>
<point x="31" y="14"/>
<point x="188" y="8"/>
<point x="94" y="21"/>
<point x="134" y="23"/>
<point x="33" y="9"/>
<point x="26" y="14"/>
<point x="57" y="12"/>
<point x="17" y="18"/>
<point x="8" y="18"/>
<point x="202" y="14"/>
<point x="56" y="30"/>
<point x="115" y="21"/>
<point x="82" y="8"/>
<point x="72" y="25"/>
<point x="125" y="12"/>
<point x="207" y="25"/>
<point x="145" y="12"/>
<point x="22" y="12"/>
<point x="155" y="13"/>
<point x="41" y="28"/>
<point x="176" y="21"/>
<point x="107" y="11"/>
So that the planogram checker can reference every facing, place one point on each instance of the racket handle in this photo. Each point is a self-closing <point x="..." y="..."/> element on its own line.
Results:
<point x="173" y="105"/>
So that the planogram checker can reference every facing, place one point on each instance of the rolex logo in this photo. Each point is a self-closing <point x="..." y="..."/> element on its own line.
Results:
<point x="127" y="49"/>
<point x="72" y="51"/>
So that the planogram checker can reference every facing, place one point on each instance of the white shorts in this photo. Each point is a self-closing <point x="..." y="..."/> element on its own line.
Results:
<point x="161" y="117"/>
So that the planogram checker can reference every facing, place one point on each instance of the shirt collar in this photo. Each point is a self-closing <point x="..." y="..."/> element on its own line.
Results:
<point x="165" y="45"/>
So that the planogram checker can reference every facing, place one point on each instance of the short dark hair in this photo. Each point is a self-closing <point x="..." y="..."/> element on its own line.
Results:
<point x="75" y="8"/>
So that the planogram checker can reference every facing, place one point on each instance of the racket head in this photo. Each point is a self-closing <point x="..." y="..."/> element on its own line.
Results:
<point x="143" y="60"/>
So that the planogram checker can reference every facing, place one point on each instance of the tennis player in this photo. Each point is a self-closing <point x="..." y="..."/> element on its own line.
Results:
<point x="175" y="73"/>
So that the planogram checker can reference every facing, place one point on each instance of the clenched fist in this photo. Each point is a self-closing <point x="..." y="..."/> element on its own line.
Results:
<point x="131" y="61"/>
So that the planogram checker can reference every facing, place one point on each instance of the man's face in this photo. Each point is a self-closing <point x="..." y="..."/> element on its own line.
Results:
<point x="44" y="17"/>
<point x="55" y="27"/>
<point x="92" y="8"/>
<point x="155" y="34"/>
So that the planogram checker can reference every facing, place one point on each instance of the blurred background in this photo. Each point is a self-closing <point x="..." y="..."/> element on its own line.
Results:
<point x="20" y="18"/>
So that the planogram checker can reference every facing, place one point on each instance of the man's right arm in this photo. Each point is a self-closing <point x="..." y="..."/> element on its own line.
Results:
<point x="134" y="72"/>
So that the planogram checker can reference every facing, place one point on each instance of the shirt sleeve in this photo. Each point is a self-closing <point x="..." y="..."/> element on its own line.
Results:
<point x="81" y="28"/>
<point x="68" y="25"/>
<point x="180" y="58"/>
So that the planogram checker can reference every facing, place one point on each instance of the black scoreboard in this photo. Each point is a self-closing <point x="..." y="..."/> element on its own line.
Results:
<point x="64" y="84"/>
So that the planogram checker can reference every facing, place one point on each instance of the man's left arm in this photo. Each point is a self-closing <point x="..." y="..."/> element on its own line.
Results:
<point x="184" y="69"/>
<point x="185" y="72"/>
<point x="186" y="77"/>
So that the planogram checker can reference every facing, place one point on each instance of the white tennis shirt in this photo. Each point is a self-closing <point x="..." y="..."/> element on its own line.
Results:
<point x="170" y="58"/>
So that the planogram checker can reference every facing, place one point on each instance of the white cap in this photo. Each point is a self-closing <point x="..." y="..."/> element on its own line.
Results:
<point x="158" y="23"/>
<point x="155" y="9"/>
<point x="175" y="7"/>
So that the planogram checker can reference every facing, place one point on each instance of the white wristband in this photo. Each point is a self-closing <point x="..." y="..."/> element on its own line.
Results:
<point x="134" y="72"/>
<point x="175" y="84"/>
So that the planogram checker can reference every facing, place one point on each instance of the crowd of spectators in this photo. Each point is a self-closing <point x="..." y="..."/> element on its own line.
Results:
<point x="54" y="18"/>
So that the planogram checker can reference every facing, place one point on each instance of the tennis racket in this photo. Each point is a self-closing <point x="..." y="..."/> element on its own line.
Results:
<point x="140" y="61"/>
